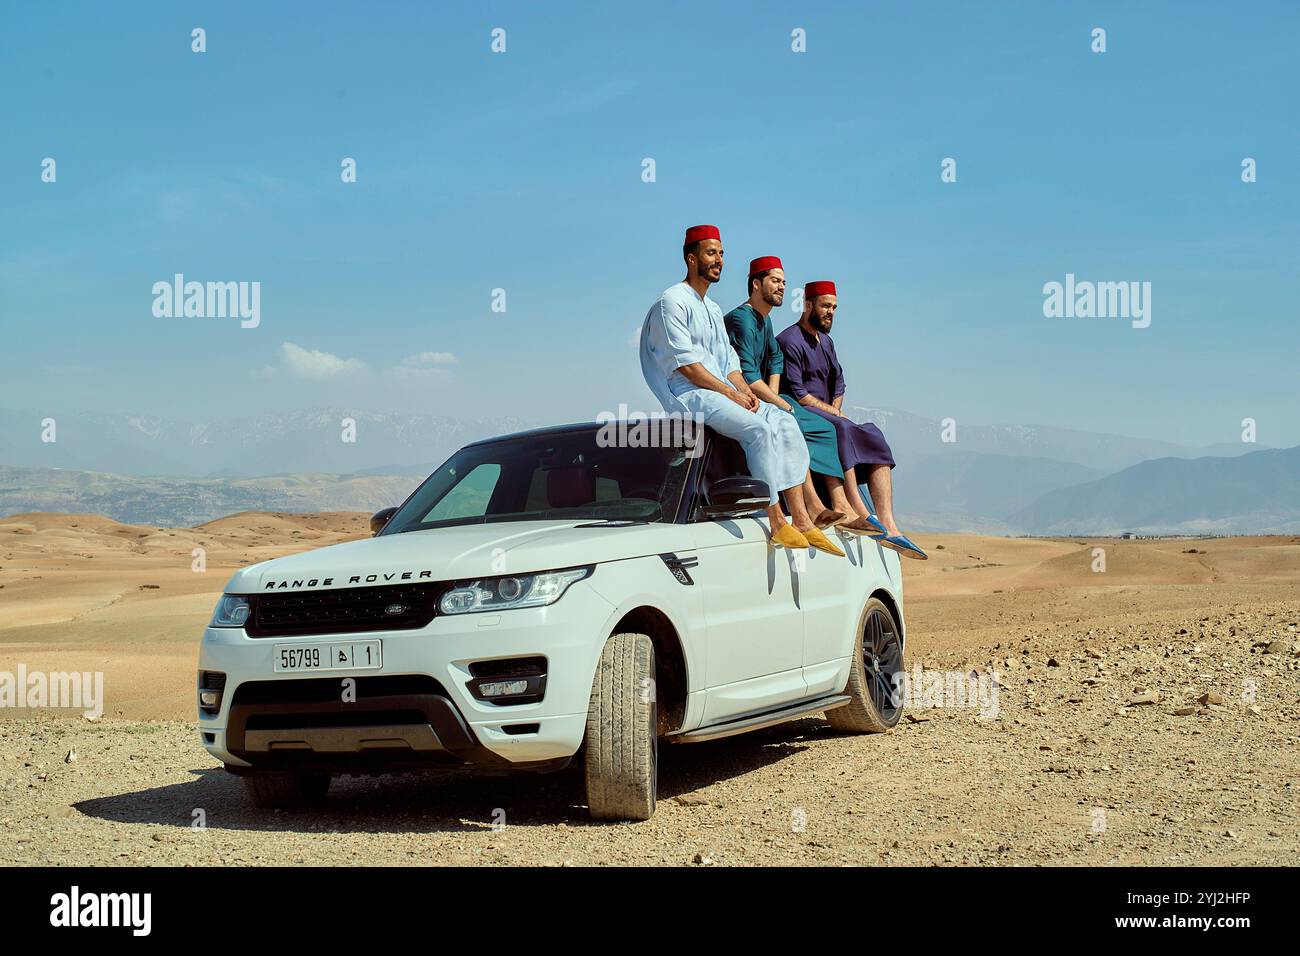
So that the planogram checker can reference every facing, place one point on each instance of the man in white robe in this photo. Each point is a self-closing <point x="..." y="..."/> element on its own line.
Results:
<point x="689" y="364"/>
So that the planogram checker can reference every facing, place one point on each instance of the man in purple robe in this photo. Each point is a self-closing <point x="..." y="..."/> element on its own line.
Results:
<point x="815" y="379"/>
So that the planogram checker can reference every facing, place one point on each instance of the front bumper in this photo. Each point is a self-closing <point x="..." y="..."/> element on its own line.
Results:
<point x="417" y="709"/>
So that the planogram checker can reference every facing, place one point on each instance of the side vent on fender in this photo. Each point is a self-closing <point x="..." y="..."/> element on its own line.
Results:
<point x="678" y="566"/>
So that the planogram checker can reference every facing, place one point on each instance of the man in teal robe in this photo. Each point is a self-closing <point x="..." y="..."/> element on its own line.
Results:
<point x="749" y="327"/>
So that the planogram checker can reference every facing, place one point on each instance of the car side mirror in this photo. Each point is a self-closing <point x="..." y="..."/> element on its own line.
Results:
<point x="379" y="519"/>
<point x="735" y="497"/>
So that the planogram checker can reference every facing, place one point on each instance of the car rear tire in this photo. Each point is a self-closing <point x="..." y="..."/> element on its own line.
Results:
<point x="622" y="743"/>
<point x="874" y="676"/>
<point x="285" y="789"/>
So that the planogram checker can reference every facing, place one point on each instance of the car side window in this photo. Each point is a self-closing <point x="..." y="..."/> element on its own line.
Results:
<point x="724" y="459"/>
<point x="470" y="497"/>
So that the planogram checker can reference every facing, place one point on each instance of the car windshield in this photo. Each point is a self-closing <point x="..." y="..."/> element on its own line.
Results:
<point x="563" y="475"/>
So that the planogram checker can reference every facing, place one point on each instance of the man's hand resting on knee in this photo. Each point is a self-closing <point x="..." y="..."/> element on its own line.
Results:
<point x="738" y="391"/>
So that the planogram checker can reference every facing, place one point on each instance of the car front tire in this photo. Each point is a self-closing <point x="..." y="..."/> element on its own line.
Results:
<point x="621" y="743"/>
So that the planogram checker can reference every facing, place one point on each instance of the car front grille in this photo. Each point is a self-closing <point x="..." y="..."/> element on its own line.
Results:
<point x="393" y="607"/>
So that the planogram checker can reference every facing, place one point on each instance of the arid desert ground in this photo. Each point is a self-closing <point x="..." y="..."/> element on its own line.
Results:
<point x="1147" y="714"/>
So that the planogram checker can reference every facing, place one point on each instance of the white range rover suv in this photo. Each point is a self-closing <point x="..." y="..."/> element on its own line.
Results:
<point x="539" y="597"/>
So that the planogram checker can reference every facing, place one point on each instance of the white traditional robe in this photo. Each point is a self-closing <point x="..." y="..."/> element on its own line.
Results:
<point x="682" y="328"/>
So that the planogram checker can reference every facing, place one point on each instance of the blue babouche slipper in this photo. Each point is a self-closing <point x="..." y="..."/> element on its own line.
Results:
<point x="879" y="525"/>
<point x="904" y="546"/>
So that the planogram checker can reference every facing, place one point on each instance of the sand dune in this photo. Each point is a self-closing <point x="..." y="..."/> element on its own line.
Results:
<point x="128" y="597"/>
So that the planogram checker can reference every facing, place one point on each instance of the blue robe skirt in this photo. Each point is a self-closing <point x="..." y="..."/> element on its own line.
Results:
<point x="823" y="450"/>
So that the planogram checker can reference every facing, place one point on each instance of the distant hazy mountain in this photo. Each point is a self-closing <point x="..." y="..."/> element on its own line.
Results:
<point x="970" y="491"/>
<point x="177" y="502"/>
<point x="989" y="475"/>
<point x="992" y="479"/>
<point x="935" y="522"/>
<point x="1255" y="493"/>
<point x="912" y="435"/>
<point x="949" y="492"/>
<point x="289" y="443"/>
<point x="310" y="441"/>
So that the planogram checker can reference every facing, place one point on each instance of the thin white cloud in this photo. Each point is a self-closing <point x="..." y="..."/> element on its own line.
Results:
<point x="316" y="365"/>
<point x="420" y="369"/>
<point x="429" y="359"/>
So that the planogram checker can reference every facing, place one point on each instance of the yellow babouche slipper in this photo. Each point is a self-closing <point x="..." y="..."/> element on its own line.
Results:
<point x="822" y="543"/>
<point x="788" y="536"/>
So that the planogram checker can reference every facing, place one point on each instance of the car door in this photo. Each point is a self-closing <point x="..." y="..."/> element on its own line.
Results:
<point x="834" y="594"/>
<point x="752" y="607"/>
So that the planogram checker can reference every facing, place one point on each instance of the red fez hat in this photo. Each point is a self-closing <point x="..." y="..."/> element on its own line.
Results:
<point x="813" y="289"/>
<point x="763" y="264"/>
<point x="700" y="233"/>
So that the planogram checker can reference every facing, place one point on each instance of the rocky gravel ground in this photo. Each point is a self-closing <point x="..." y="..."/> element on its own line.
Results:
<point x="1159" y="738"/>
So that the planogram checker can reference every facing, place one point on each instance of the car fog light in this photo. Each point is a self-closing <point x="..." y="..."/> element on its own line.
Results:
<point x="503" y="688"/>
<point x="212" y="685"/>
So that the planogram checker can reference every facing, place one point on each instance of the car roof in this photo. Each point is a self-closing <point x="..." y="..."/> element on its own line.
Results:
<point x="571" y="429"/>
<point x="534" y="432"/>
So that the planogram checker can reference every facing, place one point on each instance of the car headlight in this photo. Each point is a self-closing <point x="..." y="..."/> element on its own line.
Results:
<point x="232" y="611"/>
<point x="510" y="591"/>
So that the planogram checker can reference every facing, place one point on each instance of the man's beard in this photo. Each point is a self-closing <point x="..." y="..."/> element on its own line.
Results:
<point x="774" y="299"/>
<point x="823" y="323"/>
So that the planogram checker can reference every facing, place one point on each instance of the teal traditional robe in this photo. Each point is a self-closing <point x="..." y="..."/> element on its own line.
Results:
<point x="761" y="356"/>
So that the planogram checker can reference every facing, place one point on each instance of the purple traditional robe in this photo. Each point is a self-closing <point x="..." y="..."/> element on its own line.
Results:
<point x="812" y="368"/>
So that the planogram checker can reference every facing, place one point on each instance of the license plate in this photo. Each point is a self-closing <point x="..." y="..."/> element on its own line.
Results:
<point x="349" y="656"/>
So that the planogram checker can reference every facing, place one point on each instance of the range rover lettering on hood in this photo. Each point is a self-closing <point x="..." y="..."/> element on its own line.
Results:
<point x="378" y="578"/>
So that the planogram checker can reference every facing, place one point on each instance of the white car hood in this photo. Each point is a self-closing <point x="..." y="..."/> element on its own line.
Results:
<point x="465" y="551"/>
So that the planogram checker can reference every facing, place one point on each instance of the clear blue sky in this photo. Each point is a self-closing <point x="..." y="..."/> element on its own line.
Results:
<point x="522" y="170"/>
